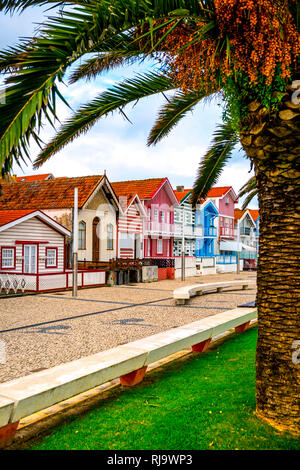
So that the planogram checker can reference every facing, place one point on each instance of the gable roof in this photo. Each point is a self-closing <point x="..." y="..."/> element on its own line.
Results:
<point x="10" y="218"/>
<point x="180" y="195"/>
<point x="240" y="214"/>
<point x="221" y="191"/>
<point x="254" y="213"/>
<point x="51" y="194"/>
<point x="144" y="188"/>
<point x="119" y="192"/>
<point x="44" y="176"/>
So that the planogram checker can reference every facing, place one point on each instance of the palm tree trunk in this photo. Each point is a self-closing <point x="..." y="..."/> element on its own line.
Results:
<point x="273" y="144"/>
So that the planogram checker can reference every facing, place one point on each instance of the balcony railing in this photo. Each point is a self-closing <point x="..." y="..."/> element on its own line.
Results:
<point x="189" y="231"/>
<point x="162" y="228"/>
<point x="228" y="232"/>
<point x="210" y="231"/>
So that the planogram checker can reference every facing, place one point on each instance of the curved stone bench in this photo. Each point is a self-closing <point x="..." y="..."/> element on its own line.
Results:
<point x="27" y="395"/>
<point x="183" y="294"/>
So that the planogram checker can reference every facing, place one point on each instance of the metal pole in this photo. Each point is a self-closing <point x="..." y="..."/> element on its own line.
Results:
<point x="183" y="248"/>
<point x="238" y="246"/>
<point x="75" y="244"/>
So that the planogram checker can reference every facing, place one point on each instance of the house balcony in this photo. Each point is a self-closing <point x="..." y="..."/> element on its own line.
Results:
<point x="188" y="231"/>
<point x="159" y="229"/>
<point x="228" y="232"/>
<point x="210" y="232"/>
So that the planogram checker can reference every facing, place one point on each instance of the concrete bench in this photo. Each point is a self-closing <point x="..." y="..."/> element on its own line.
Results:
<point x="183" y="294"/>
<point x="26" y="395"/>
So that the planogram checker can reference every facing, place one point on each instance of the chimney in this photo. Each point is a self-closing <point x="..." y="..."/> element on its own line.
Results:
<point x="123" y="202"/>
<point x="179" y="189"/>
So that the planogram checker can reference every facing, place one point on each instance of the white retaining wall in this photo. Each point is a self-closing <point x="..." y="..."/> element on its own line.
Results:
<point x="27" y="395"/>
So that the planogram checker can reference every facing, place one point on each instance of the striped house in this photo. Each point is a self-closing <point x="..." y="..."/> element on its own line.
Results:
<point x="32" y="249"/>
<point x="130" y="223"/>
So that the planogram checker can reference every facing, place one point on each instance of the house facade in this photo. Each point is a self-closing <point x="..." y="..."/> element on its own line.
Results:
<point x="245" y="227"/>
<point x="194" y="228"/>
<point x="158" y="200"/>
<point x="224" y="198"/>
<point x="32" y="254"/>
<point x="98" y="209"/>
<point x="130" y="240"/>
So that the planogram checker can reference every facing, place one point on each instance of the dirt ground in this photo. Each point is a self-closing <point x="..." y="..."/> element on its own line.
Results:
<point x="41" y="331"/>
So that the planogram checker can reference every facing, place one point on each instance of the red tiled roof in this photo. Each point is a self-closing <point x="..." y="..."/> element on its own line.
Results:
<point x="238" y="214"/>
<point x="218" y="191"/>
<point x="10" y="216"/>
<point x="24" y="178"/>
<point x="50" y="194"/>
<point x="254" y="214"/>
<point x="144" y="188"/>
<point x="181" y="194"/>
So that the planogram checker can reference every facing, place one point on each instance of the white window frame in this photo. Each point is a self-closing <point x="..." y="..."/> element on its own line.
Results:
<point x="49" y="263"/>
<point x="159" y="247"/>
<point x="4" y="258"/>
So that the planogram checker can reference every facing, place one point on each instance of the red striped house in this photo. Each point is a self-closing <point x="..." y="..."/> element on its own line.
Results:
<point x="130" y="223"/>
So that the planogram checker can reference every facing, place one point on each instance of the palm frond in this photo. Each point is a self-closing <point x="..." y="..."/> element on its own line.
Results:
<point x="31" y="90"/>
<point x="114" y="99"/>
<point x="20" y="5"/>
<point x="121" y="49"/>
<point x="249" y="190"/>
<point x="170" y="114"/>
<point x="224" y="140"/>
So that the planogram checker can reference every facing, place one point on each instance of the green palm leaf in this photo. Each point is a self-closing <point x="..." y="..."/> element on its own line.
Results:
<point x="249" y="190"/>
<point x="177" y="108"/>
<point x="111" y="100"/>
<point x="224" y="140"/>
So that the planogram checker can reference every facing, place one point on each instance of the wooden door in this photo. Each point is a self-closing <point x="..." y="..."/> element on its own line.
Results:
<point x="96" y="239"/>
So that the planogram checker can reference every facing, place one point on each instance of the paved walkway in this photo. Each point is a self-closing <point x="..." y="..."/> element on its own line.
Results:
<point x="42" y="331"/>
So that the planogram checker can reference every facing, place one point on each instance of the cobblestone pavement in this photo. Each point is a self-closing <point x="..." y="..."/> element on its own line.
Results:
<point x="41" y="331"/>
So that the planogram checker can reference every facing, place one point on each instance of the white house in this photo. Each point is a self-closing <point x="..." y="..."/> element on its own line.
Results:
<point x="32" y="254"/>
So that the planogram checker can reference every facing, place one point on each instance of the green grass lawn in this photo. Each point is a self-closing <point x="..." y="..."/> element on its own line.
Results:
<point x="203" y="402"/>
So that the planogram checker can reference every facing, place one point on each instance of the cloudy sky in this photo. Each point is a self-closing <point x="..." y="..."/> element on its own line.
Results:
<point x="117" y="146"/>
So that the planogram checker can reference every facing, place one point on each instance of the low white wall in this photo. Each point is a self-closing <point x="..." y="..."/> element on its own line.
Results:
<point x="190" y="266"/>
<point x="228" y="268"/>
<point x="27" y="395"/>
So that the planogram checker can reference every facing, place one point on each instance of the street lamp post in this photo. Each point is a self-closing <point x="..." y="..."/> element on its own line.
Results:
<point x="75" y="244"/>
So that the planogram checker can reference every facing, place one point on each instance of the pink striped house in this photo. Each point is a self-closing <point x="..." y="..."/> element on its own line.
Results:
<point x="151" y="219"/>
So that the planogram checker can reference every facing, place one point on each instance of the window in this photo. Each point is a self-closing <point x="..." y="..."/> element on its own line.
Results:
<point x="155" y="215"/>
<point x="51" y="257"/>
<point x="162" y="216"/>
<point x="110" y="237"/>
<point x="82" y="236"/>
<point x="227" y="201"/>
<point x="149" y="213"/>
<point x="8" y="258"/>
<point x="159" y="246"/>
